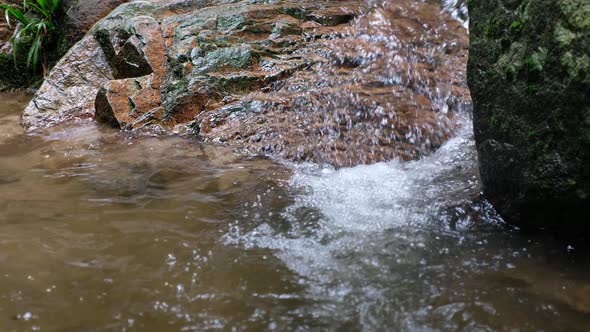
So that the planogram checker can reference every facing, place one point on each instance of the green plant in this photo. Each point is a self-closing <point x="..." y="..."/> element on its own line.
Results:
<point x="35" y="28"/>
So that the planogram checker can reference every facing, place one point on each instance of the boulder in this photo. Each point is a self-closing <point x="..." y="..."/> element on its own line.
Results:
<point x="305" y="80"/>
<point x="529" y="75"/>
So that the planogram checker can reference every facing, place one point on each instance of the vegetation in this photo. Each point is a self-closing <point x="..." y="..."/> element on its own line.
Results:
<point x="34" y="27"/>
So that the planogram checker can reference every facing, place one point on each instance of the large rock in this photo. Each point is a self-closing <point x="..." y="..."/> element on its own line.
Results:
<point x="300" y="79"/>
<point x="529" y="74"/>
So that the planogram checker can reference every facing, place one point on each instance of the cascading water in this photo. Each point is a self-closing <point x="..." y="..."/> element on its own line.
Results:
<point x="457" y="8"/>
<point x="391" y="84"/>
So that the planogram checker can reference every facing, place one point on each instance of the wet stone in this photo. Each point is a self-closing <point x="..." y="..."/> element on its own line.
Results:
<point x="316" y="81"/>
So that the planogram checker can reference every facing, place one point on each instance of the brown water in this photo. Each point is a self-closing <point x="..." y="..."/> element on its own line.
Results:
<point x="103" y="231"/>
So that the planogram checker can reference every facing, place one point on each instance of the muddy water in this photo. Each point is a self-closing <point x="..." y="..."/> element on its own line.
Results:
<point x="103" y="231"/>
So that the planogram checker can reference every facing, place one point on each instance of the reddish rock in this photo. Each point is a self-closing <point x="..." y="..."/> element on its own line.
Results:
<point x="306" y="80"/>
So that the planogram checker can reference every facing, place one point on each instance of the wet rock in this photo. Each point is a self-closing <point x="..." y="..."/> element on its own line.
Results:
<point x="69" y="90"/>
<point x="302" y="80"/>
<point x="529" y="73"/>
<point x="82" y="14"/>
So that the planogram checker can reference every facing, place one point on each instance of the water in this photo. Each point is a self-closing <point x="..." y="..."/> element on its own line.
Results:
<point x="108" y="231"/>
<point x="103" y="231"/>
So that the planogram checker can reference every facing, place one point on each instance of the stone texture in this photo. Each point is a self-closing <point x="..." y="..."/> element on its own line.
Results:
<point x="82" y="14"/>
<point x="306" y="80"/>
<point x="68" y="92"/>
<point x="529" y="74"/>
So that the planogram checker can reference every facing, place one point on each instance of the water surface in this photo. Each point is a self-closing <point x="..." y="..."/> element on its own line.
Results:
<point x="104" y="231"/>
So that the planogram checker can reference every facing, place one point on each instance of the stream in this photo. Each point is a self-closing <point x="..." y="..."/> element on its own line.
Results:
<point x="107" y="230"/>
<point x="104" y="231"/>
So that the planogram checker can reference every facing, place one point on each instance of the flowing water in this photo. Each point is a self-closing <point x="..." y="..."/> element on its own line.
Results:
<point x="105" y="231"/>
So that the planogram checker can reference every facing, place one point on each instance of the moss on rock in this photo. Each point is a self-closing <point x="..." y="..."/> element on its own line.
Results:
<point x="529" y="77"/>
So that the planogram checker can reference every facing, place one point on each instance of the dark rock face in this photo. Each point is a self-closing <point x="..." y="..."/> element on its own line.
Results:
<point x="82" y="14"/>
<point x="529" y="75"/>
<point x="326" y="81"/>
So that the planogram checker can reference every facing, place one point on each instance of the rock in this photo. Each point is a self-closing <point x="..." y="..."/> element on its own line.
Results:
<point x="306" y="80"/>
<point x="69" y="90"/>
<point x="529" y="74"/>
<point x="81" y="16"/>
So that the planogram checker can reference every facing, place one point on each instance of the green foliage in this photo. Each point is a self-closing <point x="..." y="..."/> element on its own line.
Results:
<point x="35" y="29"/>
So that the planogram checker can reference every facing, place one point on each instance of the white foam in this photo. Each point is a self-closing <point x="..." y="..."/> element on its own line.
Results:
<point x="357" y="203"/>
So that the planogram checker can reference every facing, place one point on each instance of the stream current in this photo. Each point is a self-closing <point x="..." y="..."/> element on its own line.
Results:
<point x="103" y="230"/>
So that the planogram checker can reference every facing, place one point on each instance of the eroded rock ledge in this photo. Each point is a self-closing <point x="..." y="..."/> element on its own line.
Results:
<point x="323" y="81"/>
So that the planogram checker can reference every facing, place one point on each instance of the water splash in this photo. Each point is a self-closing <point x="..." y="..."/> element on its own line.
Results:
<point x="457" y="8"/>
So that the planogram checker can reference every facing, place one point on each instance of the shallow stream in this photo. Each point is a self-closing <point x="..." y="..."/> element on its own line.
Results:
<point x="103" y="231"/>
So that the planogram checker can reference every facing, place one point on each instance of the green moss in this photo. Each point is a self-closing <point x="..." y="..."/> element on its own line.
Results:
<point x="230" y="57"/>
<point x="516" y="26"/>
<point x="297" y="12"/>
<point x="509" y="73"/>
<point x="507" y="124"/>
<point x="538" y="149"/>
<point x="232" y="22"/>
<point x="585" y="129"/>
<point x="493" y="28"/>
<point x="534" y="63"/>
<point x="577" y="13"/>
<point x="563" y="36"/>
<point x="577" y="66"/>
<point x="4" y="58"/>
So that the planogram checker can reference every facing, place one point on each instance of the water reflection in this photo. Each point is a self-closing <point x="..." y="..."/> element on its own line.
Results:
<point x="104" y="231"/>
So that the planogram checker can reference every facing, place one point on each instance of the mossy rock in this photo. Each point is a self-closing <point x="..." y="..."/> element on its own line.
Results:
<point x="529" y="75"/>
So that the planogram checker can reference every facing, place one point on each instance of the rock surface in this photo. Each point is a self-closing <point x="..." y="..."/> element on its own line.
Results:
<point x="326" y="81"/>
<point x="529" y="74"/>
<point x="80" y="16"/>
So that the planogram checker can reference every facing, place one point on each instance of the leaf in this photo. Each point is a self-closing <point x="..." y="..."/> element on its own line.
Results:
<point x="39" y="8"/>
<point x="37" y="29"/>
<point x="7" y="17"/>
<point x="32" y="59"/>
<point x="8" y="10"/>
